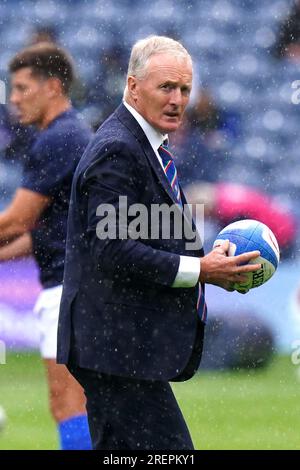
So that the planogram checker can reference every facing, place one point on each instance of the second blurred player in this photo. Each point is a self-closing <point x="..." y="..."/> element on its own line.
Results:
<point x="35" y="221"/>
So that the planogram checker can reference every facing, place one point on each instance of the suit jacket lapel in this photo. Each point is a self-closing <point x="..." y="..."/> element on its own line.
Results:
<point x="131" y="123"/>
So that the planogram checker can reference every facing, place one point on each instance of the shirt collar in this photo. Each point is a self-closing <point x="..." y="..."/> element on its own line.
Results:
<point x="155" y="138"/>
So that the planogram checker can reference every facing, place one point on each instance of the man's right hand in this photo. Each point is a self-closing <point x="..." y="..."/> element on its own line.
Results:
<point x="222" y="270"/>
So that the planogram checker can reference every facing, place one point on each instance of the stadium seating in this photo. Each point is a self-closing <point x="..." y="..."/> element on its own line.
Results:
<point x="231" y="43"/>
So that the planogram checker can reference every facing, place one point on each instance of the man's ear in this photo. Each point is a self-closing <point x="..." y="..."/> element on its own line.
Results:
<point x="54" y="87"/>
<point x="132" y="87"/>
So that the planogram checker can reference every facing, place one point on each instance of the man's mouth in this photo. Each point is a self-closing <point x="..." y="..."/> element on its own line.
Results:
<point x="18" y="112"/>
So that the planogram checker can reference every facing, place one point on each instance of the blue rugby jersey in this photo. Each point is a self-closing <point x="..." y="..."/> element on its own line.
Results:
<point x="48" y="170"/>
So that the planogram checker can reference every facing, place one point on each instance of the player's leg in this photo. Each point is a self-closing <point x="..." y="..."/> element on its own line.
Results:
<point x="67" y="405"/>
<point x="67" y="400"/>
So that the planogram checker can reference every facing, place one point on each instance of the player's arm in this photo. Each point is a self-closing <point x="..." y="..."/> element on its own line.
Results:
<point x="18" y="248"/>
<point x="22" y="214"/>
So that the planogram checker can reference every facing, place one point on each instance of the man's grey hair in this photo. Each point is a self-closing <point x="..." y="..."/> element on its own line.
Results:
<point x="144" y="49"/>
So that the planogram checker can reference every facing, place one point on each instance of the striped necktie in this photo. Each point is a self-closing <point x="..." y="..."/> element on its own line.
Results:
<point x="201" y="305"/>
<point x="171" y="173"/>
<point x="170" y="170"/>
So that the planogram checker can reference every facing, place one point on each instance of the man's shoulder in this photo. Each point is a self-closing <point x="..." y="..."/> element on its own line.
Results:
<point x="115" y="141"/>
<point x="68" y="127"/>
<point x="112" y="135"/>
<point x="120" y="129"/>
<point x="111" y="146"/>
<point x="64" y="134"/>
<point x="70" y="121"/>
<point x="107" y="144"/>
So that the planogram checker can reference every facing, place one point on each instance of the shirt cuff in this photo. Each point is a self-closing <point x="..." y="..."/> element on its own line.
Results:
<point x="188" y="272"/>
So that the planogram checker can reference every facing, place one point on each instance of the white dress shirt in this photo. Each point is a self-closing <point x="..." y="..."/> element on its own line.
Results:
<point x="189" y="266"/>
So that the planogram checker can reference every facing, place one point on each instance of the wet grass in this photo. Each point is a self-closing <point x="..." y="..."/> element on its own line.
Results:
<point x="257" y="409"/>
<point x="230" y="410"/>
<point x="23" y="395"/>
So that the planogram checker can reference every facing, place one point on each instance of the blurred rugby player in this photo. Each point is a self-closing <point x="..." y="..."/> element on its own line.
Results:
<point x="35" y="221"/>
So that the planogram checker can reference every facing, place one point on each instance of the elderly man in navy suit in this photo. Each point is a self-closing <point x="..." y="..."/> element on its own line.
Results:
<point x="133" y="309"/>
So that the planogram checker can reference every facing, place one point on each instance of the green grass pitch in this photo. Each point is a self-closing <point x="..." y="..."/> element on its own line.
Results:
<point x="256" y="409"/>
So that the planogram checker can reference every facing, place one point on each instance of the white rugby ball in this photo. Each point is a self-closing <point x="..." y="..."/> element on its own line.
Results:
<point x="249" y="235"/>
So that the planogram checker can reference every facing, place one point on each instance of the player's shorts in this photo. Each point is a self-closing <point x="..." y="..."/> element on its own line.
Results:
<point x="47" y="311"/>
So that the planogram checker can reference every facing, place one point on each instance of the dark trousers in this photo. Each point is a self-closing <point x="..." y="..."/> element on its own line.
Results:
<point x="131" y="414"/>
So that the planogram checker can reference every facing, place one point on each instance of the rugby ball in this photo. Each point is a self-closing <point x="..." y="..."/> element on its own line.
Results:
<point x="249" y="235"/>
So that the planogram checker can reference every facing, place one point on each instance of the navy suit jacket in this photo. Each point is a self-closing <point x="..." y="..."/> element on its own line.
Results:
<point x="119" y="314"/>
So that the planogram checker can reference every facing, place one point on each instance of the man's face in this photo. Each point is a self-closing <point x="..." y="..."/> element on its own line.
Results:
<point x="29" y="96"/>
<point x="162" y="96"/>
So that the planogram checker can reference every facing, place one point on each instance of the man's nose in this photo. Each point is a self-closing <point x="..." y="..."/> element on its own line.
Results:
<point x="14" y="98"/>
<point x="176" y="97"/>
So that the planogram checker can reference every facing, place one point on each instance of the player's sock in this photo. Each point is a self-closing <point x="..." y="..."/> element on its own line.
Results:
<point x="74" y="434"/>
